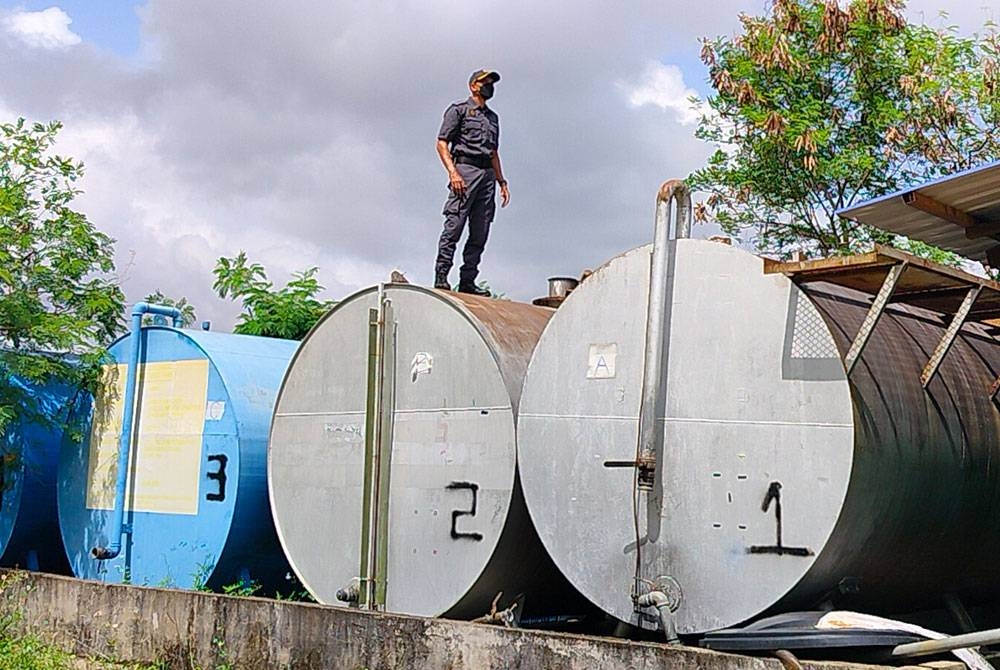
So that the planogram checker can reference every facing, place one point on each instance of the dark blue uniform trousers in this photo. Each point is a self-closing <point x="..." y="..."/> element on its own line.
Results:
<point x="477" y="206"/>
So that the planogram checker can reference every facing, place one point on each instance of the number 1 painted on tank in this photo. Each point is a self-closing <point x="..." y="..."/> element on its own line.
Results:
<point x="774" y="495"/>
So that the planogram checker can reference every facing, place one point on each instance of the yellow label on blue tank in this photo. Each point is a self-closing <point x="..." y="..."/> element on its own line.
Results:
<point x="166" y="456"/>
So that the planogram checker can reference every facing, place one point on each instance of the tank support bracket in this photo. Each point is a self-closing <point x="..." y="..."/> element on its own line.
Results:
<point x="646" y="466"/>
<point x="949" y="336"/>
<point x="874" y="314"/>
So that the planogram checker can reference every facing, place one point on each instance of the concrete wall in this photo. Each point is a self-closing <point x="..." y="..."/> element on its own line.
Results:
<point x="191" y="629"/>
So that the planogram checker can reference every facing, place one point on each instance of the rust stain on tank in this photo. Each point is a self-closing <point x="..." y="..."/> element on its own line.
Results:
<point x="514" y="328"/>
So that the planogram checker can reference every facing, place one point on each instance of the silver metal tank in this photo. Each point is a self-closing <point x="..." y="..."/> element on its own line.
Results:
<point x="457" y="531"/>
<point x="780" y="482"/>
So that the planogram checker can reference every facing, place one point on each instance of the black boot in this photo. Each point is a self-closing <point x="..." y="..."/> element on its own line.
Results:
<point x="472" y="289"/>
<point x="441" y="282"/>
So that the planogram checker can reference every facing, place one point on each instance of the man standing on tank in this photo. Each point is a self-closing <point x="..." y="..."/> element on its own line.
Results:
<point x="467" y="145"/>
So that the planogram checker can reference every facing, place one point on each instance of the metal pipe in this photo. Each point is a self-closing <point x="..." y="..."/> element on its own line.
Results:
<point x="349" y="594"/>
<point x="118" y="527"/>
<point x="383" y="452"/>
<point x="663" y="604"/>
<point x="965" y="641"/>
<point x="676" y="188"/>
<point x="956" y="608"/>
<point x="788" y="659"/>
<point x="650" y="434"/>
<point x="379" y="404"/>
<point x="560" y="287"/>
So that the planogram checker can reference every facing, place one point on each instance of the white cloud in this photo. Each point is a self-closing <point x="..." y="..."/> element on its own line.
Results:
<point x="302" y="133"/>
<point x="663" y="86"/>
<point x="46" y="29"/>
<point x="305" y="137"/>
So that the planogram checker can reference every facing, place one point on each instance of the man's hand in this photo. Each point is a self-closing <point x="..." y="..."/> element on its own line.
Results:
<point x="504" y="194"/>
<point x="456" y="183"/>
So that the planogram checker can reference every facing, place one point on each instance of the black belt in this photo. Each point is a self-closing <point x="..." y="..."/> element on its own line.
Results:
<point x="483" y="162"/>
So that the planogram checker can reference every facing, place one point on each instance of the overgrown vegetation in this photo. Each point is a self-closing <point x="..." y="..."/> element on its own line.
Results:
<point x="30" y="653"/>
<point x="241" y="588"/>
<point x="288" y="312"/>
<point x="819" y="104"/>
<point x="25" y="651"/>
<point x="188" y="316"/>
<point x="59" y="301"/>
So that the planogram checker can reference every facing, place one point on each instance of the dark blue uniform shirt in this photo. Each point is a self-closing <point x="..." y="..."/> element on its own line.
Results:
<point x="472" y="131"/>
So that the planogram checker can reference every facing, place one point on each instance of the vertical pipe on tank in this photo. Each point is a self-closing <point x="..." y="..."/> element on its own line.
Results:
<point x="366" y="591"/>
<point x="650" y="437"/>
<point x="383" y="456"/>
<point x="379" y="416"/>
<point x="118" y="527"/>
<point x="649" y="446"/>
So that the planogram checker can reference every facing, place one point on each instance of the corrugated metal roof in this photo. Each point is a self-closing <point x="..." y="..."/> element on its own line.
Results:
<point x="975" y="192"/>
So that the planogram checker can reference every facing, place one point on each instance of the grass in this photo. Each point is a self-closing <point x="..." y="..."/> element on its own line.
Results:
<point x="23" y="651"/>
<point x="26" y="651"/>
<point x="31" y="653"/>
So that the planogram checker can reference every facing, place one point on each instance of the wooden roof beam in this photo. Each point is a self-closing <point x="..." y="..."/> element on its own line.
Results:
<point x="982" y="230"/>
<point x="925" y="203"/>
<point x="975" y="228"/>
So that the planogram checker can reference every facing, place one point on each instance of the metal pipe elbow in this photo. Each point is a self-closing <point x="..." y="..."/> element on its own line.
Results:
<point x="669" y="190"/>
<point x="655" y="599"/>
<point x="673" y="188"/>
<point x="664" y="608"/>
<point x="140" y="308"/>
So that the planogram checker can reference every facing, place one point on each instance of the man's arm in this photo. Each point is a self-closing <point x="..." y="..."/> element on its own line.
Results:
<point x="450" y="125"/>
<point x="498" y="171"/>
<point x="455" y="181"/>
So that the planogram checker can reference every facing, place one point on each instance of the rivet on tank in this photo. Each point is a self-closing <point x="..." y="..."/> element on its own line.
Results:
<point x="169" y="487"/>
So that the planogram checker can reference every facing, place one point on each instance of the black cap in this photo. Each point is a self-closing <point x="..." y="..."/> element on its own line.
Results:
<point x="484" y="75"/>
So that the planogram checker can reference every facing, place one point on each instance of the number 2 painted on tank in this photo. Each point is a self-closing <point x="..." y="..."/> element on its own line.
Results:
<point x="219" y="476"/>
<point x="455" y="533"/>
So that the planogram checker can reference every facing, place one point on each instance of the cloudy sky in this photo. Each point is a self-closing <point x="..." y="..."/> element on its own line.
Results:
<point x="303" y="131"/>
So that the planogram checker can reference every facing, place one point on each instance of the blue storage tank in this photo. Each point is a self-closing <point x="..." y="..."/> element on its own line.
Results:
<point x="196" y="511"/>
<point x="29" y="525"/>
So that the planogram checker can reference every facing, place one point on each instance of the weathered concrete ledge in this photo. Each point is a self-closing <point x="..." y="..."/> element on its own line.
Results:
<point x="190" y="629"/>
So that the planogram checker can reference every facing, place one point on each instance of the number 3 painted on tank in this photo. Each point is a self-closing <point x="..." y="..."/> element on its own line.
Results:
<point x="455" y="533"/>
<point x="219" y="476"/>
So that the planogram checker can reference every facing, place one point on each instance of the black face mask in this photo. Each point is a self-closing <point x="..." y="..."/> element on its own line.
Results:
<point x="486" y="90"/>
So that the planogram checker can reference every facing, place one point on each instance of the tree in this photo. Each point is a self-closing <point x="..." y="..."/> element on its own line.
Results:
<point x="954" y="89"/>
<point x="818" y="106"/>
<point x="60" y="305"/>
<point x="188" y="315"/>
<point x="288" y="312"/>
